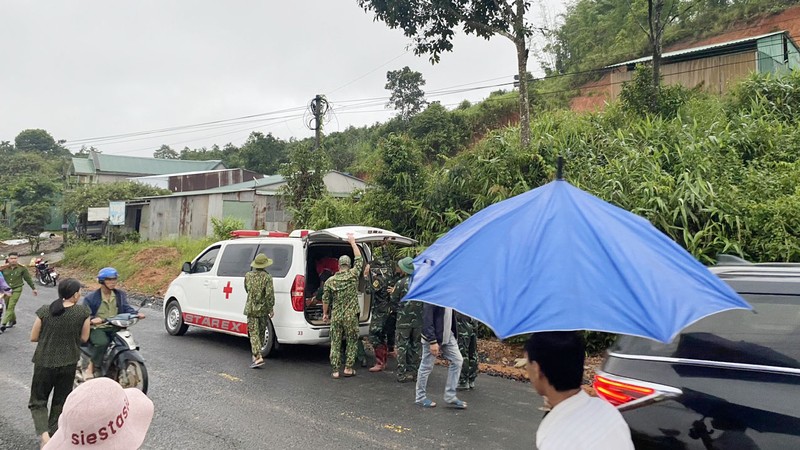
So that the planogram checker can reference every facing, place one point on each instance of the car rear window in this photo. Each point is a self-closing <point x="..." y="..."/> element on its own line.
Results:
<point x="236" y="259"/>
<point x="768" y="335"/>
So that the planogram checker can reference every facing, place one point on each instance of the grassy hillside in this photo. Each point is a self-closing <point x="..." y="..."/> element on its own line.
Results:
<point x="145" y="268"/>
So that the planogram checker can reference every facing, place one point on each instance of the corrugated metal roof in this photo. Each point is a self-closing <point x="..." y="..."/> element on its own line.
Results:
<point x="167" y="175"/>
<point x="152" y="166"/>
<point x="688" y="51"/>
<point x="82" y="166"/>
<point x="258" y="183"/>
<point x="135" y="165"/>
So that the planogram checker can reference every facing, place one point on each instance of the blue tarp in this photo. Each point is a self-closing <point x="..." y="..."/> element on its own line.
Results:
<point x="558" y="258"/>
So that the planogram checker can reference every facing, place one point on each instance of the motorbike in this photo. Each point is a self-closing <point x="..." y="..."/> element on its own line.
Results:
<point x="122" y="361"/>
<point x="44" y="273"/>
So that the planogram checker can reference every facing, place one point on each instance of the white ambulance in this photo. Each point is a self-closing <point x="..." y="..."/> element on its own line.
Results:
<point x="209" y="293"/>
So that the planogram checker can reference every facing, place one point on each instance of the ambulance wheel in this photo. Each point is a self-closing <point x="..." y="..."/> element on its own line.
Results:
<point x="173" y="319"/>
<point x="269" y="339"/>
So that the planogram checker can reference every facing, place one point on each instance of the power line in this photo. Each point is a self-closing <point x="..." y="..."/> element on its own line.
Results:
<point x="353" y="104"/>
<point x="369" y="73"/>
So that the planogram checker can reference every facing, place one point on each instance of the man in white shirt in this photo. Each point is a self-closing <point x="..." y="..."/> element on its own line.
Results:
<point x="576" y="421"/>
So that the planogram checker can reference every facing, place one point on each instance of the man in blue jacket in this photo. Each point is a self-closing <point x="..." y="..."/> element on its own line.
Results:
<point x="108" y="301"/>
<point x="439" y="335"/>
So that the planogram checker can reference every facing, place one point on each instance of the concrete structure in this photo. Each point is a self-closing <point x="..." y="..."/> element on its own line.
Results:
<point x="713" y="67"/>
<point x="103" y="168"/>
<point x="257" y="203"/>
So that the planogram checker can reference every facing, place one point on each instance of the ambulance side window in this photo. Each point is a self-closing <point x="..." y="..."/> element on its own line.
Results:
<point x="206" y="262"/>
<point x="236" y="259"/>
<point x="281" y="256"/>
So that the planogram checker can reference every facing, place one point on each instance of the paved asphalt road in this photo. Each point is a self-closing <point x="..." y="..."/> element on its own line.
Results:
<point x="206" y="397"/>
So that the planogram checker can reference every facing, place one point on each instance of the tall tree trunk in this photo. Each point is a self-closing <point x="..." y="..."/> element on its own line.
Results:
<point x="656" y="32"/>
<point x="522" y="69"/>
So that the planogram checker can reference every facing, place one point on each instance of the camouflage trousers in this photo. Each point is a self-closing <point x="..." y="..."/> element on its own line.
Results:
<point x="256" y="325"/>
<point x="361" y="352"/>
<point x="468" y="345"/>
<point x="409" y="351"/>
<point x="382" y="327"/>
<point x="347" y="329"/>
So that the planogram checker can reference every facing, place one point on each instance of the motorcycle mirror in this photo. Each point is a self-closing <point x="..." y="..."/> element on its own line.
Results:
<point x="42" y="253"/>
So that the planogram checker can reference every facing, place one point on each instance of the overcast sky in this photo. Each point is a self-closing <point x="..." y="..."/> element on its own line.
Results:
<point x="95" y="68"/>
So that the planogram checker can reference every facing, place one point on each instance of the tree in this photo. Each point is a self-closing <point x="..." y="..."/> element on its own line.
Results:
<point x="304" y="180"/>
<point x="79" y="200"/>
<point x="262" y="153"/>
<point x="407" y="94"/>
<point x="85" y="151"/>
<point x="37" y="140"/>
<point x="6" y="147"/>
<point x="442" y="133"/>
<point x="657" y="21"/>
<point x="431" y="22"/>
<point x="165" y="152"/>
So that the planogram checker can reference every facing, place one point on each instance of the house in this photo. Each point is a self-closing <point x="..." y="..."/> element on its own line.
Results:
<point x="257" y="203"/>
<point x="713" y="67"/>
<point x="199" y="180"/>
<point x="104" y="168"/>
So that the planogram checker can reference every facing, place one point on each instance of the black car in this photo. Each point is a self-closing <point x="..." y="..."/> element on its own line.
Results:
<point x="731" y="380"/>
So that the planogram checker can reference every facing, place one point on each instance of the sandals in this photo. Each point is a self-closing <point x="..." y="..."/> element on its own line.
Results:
<point x="427" y="403"/>
<point x="336" y="375"/>
<point x="257" y="364"/>
<point x="457" y="404"/>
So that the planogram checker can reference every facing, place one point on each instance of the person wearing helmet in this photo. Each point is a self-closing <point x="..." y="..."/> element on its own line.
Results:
<point x="108" y="301"/>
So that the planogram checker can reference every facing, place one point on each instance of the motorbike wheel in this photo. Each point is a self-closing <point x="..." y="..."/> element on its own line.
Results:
<point x="43" y="279"/>
<point x="133" y="375"/>
<point x="54" y="280"/>
<point x="79" y="379"/>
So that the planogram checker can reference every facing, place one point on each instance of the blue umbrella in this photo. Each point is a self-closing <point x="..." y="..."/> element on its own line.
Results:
<point x="557" y="258"/>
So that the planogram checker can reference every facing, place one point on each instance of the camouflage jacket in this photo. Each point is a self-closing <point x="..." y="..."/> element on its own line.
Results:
<point x="260" y="293"/>
<point x="342" y="290"/>
<point x="466" y="324"/>
<point x="409" y="313"/>
<point x="382" y="279"/>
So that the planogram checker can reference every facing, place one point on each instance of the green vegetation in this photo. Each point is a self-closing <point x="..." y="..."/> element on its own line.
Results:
<point x="78" y="200"/>
<point x="223" y="227"/>
<point x="91" y="256"/>
<point x="715" y="174"/>
<point x="598" y="33"/>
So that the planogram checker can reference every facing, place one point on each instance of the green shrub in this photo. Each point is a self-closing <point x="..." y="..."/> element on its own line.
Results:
<point x="5" y="232"/>
<point x="223" y="227"/>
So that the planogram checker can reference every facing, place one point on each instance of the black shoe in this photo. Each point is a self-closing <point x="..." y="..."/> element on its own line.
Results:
<point x="11" y="325"/>
<point x="2" y="328"/>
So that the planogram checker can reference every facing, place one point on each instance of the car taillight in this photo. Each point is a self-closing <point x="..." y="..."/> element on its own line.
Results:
<point x="617" y="392"/>
<point x="298" y="289"/>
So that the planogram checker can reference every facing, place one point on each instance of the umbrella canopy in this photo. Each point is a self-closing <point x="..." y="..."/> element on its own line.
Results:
<point x="558" y="258"/>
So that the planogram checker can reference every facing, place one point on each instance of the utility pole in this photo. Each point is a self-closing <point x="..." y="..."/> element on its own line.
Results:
<point x="318" y="107"/>
<point x="65" y="215"/>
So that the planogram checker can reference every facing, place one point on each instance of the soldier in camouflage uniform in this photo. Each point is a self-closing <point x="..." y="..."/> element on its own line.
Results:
<point x="260" y="304"/>
<point x="409" y="326"/>
<point x="384" y="311"/>
<point x="342" y="289"/>
<point x="468" y="345"/>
